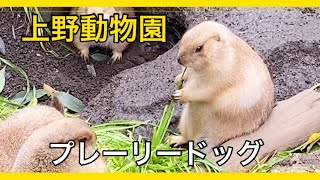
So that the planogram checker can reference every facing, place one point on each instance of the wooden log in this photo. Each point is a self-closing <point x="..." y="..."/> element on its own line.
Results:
<point x="290" y="124"/>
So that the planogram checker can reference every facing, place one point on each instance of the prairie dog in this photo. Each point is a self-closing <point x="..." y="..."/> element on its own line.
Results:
<point x="25" y="138"/>
<point x="227" y="90"/>
<point x="117" y="48"/>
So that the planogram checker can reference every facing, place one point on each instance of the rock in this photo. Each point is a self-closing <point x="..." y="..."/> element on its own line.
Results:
<point x="289" y="125"/>
<point x="299" y="163"/>
<point x="139" y="93"/>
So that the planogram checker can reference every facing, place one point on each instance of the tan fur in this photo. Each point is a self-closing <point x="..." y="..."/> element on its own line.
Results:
<point x="25" y="138"/>
<point x="117" y="48"/>
<point x="227" y="90"/>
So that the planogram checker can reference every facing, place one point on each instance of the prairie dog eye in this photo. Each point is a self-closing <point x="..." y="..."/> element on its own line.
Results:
<point x="199" y="48"/>
<point x="84" y="139"/>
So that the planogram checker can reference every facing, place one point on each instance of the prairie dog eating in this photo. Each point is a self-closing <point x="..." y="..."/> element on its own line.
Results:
<point x="25" y="137"/>
<point x="227" y="90"/>
<point x="117" y="48"/>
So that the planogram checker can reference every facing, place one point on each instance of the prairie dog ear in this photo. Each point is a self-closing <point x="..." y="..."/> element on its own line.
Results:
<point x="89" y="137"/>
<point x="56" y="104"/>
<point x="216" y="37"/>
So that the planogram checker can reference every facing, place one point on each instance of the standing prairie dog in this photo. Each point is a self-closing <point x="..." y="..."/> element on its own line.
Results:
<point x="117" y="48"/>
<point x="227" y="89"/>
<point x="25" y="137"/>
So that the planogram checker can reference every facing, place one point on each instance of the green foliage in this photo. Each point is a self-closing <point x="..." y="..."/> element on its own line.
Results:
<point x="21" y="72"/>
<point x="7" y="108"/>
<point x="110" y="136"/>
<point x="69" y="101"/>
<point x="2" y="78"/>
<point x="34" y="10"/>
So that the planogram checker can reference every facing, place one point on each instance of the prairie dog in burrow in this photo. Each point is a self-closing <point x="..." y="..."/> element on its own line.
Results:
<point x="25" y="137"/>
<point x="116" y="48"/>
<point x="227" y="90"/>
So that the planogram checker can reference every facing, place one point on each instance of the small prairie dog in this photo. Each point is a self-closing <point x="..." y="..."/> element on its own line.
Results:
<point x="227" y="90"/>
<point x="117" y="48"/>
<point x="25" y="137"/>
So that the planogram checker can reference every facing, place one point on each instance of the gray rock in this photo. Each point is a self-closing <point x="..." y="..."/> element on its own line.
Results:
<point x="299" y="163"/>
<point x="139" y="93"/>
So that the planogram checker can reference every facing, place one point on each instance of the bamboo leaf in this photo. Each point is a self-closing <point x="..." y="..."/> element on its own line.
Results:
<point x="2" y="47"/>
<point x="69" y="101"/>
<point x="20" y="71"/>
<point x="2" y="78"/>
<point x="26" y="98"/>
<point x="99" y="57"/>
<point x="34" y="99"/>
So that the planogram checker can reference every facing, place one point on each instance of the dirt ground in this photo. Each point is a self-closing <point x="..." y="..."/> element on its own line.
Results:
<point x="69" y="73"/>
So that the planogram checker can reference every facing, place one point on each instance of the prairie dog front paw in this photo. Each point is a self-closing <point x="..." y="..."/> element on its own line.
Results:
<point x="84" y="54"/>
<point x="176" y="141"/>
<point x="116" y="56"/>
<point x="177" y="95"/>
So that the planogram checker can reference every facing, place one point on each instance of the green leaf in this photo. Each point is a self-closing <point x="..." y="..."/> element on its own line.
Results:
<point x="2" y="47"/>
<point x="18" y="98"/>
<point x="26" y="9"/>
<point x="19" y="70"/>
<point x="99" y="57"/>
<point x="314" y="147"/>
<point x="160" y="131"/>
<point x="6" y="101"/>
<point x="7" y="108"/>
<point x="36" y="10"/>
<point x="26" y="98"/>
<point x="117" y="125"/>
<point x="316" y="87"/>
<point x="312" y="139"/>
<point x="2" y="78"/>
<point x="266" y="166"/>
<point x="69" y="101"/>
<point x="34" y="99"/>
